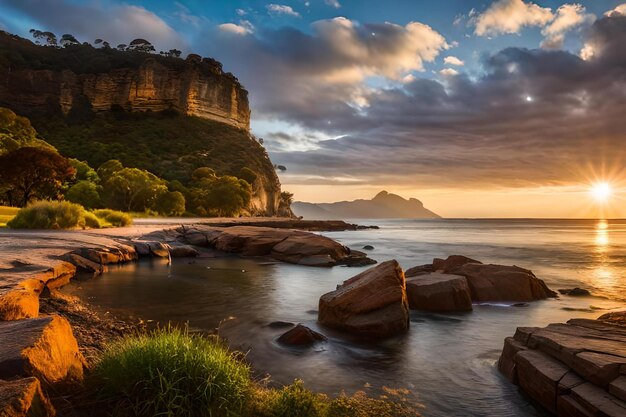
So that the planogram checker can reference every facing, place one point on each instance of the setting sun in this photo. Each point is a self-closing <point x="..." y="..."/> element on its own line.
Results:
<point x="601" y="192"/>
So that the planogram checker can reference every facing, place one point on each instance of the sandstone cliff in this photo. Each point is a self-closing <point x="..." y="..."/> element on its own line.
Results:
<point x="208" y="112"/>
<point x="139" y="82"/>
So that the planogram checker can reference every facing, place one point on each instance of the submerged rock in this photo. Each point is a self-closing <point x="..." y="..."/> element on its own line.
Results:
<point x="575" y="292"/>
<point x="24" y="398"/>
<point x="43" y="347"/>
<point x="301" y="336"/>
<point x="372" y="303"/>
<point x="368" y="247"/>
<point x="439" y="292"/>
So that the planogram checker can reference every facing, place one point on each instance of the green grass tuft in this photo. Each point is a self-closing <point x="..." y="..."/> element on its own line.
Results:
<point x="49" y="215"/>
<point x="171" y="373"/>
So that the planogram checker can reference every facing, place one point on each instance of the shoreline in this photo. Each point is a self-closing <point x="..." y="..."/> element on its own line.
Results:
<point x="92" y="328"/>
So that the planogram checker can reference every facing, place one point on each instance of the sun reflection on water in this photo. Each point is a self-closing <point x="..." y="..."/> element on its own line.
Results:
<point x="604" y="274"/>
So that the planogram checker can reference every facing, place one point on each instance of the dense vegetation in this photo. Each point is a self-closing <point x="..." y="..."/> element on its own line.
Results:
<point x="31" y="169"/>
<point x="172" y="373"/>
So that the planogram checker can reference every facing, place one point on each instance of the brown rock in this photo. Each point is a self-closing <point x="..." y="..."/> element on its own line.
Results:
<point x="567" y="406"/>
<point x="44" y="347"/>
<point x="24" y="398"/>
<point x="183" y="251"/>
<point x="439" y="292"/>
<point x="373" y="303"/>
<point x="301" y="336"/>
<point x="539" y="375"/>
<point x="506" y="363"/>
<point x="18" y="304"/>
<point x="597" y="401"/>
<point x="419" y="270"/>
<point x="616" y="317"/>
<point x="503" y="283"/>
<point x="85" y="265"/>
<point x="452" y="263"/>
<point x="618" y="388"/>
<point x="159" y="249"/>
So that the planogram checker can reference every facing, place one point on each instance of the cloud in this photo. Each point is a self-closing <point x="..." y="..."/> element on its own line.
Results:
<point x="510" y="16"/>
<point x="568" y="16"/>
<point x="243" y="28"/>
<point x="457" y="131"/>
<point x="117" y="23"/>
<point x="281" y="9"/>
<point x="241" y="12"/>
<point x="619" y="10"/>
<point x="448" y="72"/>
<point x="452" y="60"/>
<point x="333" y="3"/>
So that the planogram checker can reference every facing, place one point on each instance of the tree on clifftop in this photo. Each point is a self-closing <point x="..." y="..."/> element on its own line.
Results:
<point x="30" y="173"/>
<point x="16" y="132"/>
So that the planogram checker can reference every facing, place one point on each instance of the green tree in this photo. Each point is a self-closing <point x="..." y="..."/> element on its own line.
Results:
<point x="85" y="193"/>
<point x="220" y="196"/>
<point x="16" y="132"/>
<point x="247" y="174"/>
<point x="132" y="189"/>
<point x="170" y="203"/>
<point x="84" y="172"/>
<point x="107" y="169"/>
<point x="33" y="173"/>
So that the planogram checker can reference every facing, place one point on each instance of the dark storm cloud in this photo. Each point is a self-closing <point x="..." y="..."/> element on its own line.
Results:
<point x="534" y="117"/>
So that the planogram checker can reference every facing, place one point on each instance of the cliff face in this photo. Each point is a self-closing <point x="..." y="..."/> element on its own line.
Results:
<point x="46" y="83"/>
<point x="191" y="89"/>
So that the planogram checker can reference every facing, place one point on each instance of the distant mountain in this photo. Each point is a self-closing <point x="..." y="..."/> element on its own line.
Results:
<point x="383" y="206"/>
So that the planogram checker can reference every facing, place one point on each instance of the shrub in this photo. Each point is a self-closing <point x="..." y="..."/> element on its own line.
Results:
<point x="49" y="215"/>
<point x="92" y="221"/>
<point x="84" y="193"/>
<point x="291" y="400"/>
<point x="114" y="218"/>
<point x="169" y="372"/>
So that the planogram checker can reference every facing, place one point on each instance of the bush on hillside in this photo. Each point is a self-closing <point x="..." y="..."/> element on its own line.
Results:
<point x="84" y="193"/>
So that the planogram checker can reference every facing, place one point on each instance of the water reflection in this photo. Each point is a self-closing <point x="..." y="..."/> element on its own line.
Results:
<point x="602" y="236"/>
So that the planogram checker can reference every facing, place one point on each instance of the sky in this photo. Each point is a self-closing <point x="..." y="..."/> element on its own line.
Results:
<point x="504" y="108"/>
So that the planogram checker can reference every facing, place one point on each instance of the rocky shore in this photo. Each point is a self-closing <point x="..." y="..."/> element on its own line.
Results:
<point x="576" y="369"/>
<point x="49" y="338"/>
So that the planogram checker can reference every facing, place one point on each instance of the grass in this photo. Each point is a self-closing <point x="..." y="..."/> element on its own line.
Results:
<point x="6" y="214"/>
<point x="113" y="218"/>
<point x="171" y="373"/>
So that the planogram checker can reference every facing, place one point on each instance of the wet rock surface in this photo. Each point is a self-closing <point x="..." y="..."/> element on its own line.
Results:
<point x="301" y="336"/>
<point x="572" y="369"/>
<point x="438" y="292"/>
<point x="371" y="304"/>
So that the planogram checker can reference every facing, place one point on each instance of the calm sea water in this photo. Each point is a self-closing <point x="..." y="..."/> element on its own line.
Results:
<point x="447" y="361"/>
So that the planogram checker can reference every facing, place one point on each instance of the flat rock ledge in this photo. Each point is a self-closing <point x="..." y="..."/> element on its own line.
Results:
<point x="577" y="369"/>
<point x="286" y="245"/>
<point x="452" y="284"/>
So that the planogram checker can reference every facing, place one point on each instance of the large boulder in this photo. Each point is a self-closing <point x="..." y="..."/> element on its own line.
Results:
<point x="439" y="292"/>
<point x="452" y="263"/>
<point x="24" y="398"/>
<point x="371" y="304"/>
<point x="43" y="347"/>
<point x="503" y="283"/>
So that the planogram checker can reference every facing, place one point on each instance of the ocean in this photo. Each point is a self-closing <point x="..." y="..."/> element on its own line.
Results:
<point x="445" y="361"/>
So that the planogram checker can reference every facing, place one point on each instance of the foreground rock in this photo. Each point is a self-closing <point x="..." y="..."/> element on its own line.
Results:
<point x="301" y="336"/>
<point x="292" y="246"/>
<point x="371" y="304"/>
<point x="573" y="369"/>
<point x="43" y="347"/>
<point x="489" y="282"/>
<point x="24" y="397"/>
<point x="438" y="292"/>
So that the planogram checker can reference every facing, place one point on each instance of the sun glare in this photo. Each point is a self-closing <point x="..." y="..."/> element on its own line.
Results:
<point x="601" y="192"/>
